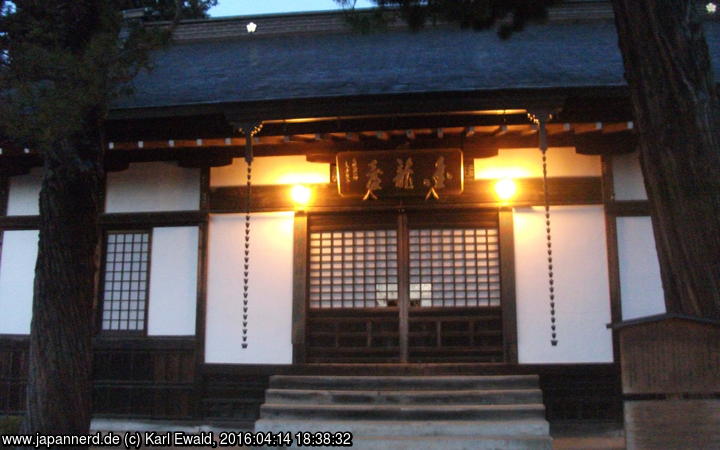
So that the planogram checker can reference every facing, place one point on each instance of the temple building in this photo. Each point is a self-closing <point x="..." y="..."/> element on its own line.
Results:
<point x="288" y="196"/>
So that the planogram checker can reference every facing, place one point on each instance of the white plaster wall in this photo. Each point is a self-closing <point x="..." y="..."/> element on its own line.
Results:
<point x="627" y="177"/>
<point x="641" y="288"/>
<point x="24" y="194"/>
<point x="17" y="275"/>
<point x="581" y="285"/>
<point x="173" y="281"/>
<point x="153" y="186"/>
<point x="270" y="293"/>
<point x="271" y="170"/>
<point x="527" y="162"/>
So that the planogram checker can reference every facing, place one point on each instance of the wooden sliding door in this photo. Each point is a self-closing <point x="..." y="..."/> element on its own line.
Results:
<point x="404" y="287"/>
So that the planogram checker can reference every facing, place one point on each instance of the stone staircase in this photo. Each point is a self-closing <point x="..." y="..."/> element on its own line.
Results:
<point x="412" y="412"/>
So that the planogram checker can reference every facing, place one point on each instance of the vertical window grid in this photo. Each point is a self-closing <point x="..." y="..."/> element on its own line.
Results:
<point x="452" y="267"/>
<point x="353" y="269"/>
<point x="125" y="290"/>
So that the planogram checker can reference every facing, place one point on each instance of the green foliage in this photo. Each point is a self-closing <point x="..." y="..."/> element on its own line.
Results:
<point x="511" y="15"/>
<point x="63" y="61"/>
<point x="166" y="9"/>
<point x="10" y="424"/>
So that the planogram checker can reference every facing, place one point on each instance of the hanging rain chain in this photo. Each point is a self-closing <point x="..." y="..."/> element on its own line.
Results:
<point x="541" y="118"/>
<point x="250" y="130"/>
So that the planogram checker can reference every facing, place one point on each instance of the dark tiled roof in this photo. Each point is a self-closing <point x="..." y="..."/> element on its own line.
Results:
<point x="253" y="68"/>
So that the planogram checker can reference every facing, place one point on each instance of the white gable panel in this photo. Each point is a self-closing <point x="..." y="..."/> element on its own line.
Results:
<point x="173" y="281"/>
<point x="153" y="186"/>
<point x="641" y="288"/>
<point x="270" y="293"/>
<point x="17" y="275"/>
<point x="581" y="286"/>
<point x="527" y="162"/>
<point x="627" y="177"/>
<point x="267" y="170"/>
<point x="24" y="194"/>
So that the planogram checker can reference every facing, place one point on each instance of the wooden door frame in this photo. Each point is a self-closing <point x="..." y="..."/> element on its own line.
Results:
<point x="507" y="283"/>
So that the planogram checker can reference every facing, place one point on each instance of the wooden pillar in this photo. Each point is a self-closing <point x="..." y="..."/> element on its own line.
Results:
<point x="403" y="274"/>
<point x="299" y="308"/>
<point x="507" y="273"/>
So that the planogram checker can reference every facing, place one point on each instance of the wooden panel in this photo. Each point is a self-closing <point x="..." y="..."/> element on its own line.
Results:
<point x="145" y="378"/>
<point x="455" y="335"/>
<point x="670" y="356"/>
<point x="13" y="373"/>
<point x="672" y="424"/>
<point x="578" y="392"/>
<point x="418" y="173"/>
<point x="477" y="194"/>
<point x="353" y="335"/>
<point x="233" y="397"/>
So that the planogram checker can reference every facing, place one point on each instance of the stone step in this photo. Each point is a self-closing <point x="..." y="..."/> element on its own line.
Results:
<point x="403" y="412"/>
<point x="415" y="428"/>
<point x="403" y="383"/>
<point x="404" y="397"/>
<point x="451" y="443"/>
<point x="360" y="442"/>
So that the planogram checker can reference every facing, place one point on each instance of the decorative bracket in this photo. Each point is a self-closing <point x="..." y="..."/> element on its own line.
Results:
<point x="249" y="129"/>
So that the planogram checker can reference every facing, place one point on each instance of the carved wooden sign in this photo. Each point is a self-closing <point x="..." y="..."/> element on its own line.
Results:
<point x="400" y="173"/>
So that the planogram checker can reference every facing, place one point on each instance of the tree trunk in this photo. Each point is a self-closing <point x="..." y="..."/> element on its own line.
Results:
<point x="677" y="117"/>
<point x="59" y="380"/>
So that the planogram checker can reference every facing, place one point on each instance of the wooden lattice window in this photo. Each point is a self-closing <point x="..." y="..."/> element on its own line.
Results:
<point x="125" y="284"/>
<point x="353" y="269"/>
<point x="454" y="267"/>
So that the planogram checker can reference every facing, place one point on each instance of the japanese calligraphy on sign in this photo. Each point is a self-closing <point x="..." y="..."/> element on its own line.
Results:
<point x="375" y="175"/>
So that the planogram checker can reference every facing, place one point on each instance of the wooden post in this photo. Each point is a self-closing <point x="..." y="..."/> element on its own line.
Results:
<point x="299" y="308"/>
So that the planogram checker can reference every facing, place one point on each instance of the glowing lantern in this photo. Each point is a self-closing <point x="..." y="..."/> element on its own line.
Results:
<point x="300" y="195"/>
<point x="505" y="189"/>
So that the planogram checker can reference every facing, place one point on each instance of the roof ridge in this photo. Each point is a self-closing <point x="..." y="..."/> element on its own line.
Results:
<point x="312" y="22"/>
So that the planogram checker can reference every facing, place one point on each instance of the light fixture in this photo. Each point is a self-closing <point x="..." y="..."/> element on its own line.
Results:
<point x="505" y="189"/>
<point x="300" y="195"/>
<point x="251" y="27"/>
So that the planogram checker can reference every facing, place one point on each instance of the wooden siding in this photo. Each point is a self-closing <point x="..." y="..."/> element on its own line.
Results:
<point x="672" y="424"/>
<point x="672" y="356"/>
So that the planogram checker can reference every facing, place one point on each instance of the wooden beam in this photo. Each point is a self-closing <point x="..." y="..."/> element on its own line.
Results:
<point x="628" y="208"/>
<point x="19" y="222"/>
<point x="153" y="219"/>
<point x="606" y="144"/>
<point x="477" y="193"/>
